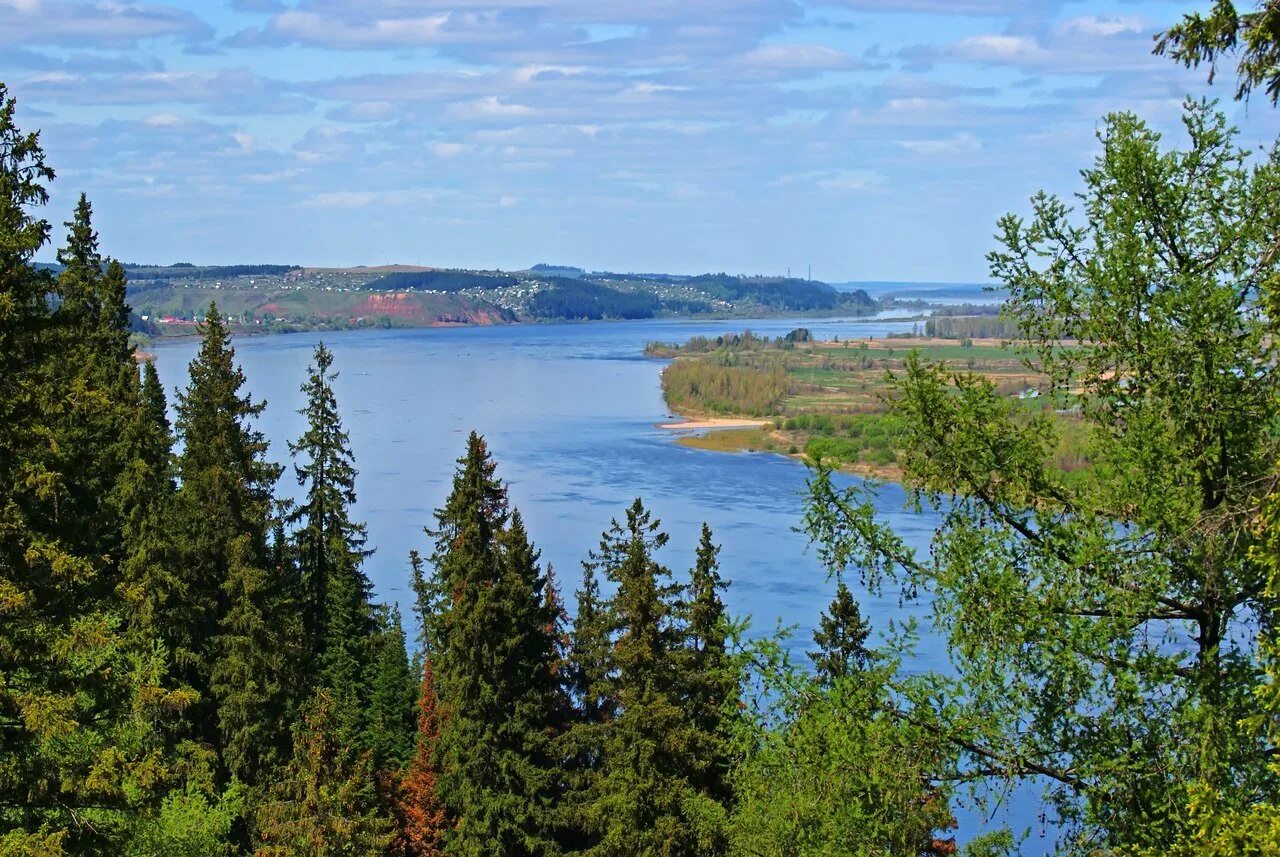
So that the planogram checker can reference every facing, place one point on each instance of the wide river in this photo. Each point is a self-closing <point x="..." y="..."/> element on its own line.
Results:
<point x="570" y="412"/>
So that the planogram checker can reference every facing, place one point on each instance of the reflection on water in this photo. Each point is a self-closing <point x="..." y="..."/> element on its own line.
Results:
<point x="569" y="411"/>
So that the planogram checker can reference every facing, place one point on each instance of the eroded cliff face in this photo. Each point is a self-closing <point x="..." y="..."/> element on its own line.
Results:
<point x="430" y="309"/>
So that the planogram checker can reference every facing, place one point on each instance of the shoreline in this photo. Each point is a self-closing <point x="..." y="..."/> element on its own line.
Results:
<point x="690" y="423"/>
<point x="737" y="435"/>
<point x="237" y="329"/>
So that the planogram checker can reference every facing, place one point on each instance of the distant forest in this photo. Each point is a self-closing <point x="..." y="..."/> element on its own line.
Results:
<point x="441" y="281"/>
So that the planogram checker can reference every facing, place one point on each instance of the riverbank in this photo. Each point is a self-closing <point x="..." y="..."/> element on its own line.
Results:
<point x="829" y="400"/>
<point x="739" y="436"/>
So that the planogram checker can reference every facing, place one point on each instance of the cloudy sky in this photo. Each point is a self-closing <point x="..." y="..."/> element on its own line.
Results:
<point x="871" y="139"/>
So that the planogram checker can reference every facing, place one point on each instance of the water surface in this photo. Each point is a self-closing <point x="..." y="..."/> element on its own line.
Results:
<point x="570" y="414"/>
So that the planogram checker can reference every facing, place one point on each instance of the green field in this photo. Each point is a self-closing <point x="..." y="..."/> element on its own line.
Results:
<point x="830" y="400"/>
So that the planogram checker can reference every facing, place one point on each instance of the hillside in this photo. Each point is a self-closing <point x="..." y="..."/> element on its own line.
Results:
<point x="285" y="297"/>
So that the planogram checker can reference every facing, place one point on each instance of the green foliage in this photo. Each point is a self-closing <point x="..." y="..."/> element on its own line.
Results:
<point x="841" y="638"/>
<point x="576" y="299"/>
<point x="390" y="721"/>
<point x="970" y="327"/>
<point x="189" y="825"/>
<point x="645" y="798"/>
<point x="781" y="292"/>
<point x="250" y="669"/>
<point x="1223" y="31"/>
<point x="709" y="675"/>
<point x="831" y="768"/>
<point x="703" y="386"/>
<point x="224" y="498"/>
<point x="325" y="801"/>
<point x="329" y="545"/>
<point x="1099" y="625"/>
<point x="81" y="695"/>
<point x="491" y="649"/>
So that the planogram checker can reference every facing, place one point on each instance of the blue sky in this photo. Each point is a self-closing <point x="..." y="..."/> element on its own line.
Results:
<point x="871" y="139"/>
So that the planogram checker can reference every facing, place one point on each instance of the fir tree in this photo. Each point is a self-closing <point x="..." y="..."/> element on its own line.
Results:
<point x="390" y="711"/>
<point x="249" y="670"/>
<point x="329" y="544"/>
<point x="423" y="820"/>
<point x="325" y="801"/>
<point x="644" y="799"/>
<point x="710" y="676"/>
<point x="488" y="632"/>
<point x="156" y="406"/>
<point x="594" y="707"/>
<point x="79" y="757"/>
<point x="842" y="639"/>
<point x="222" y="517"/>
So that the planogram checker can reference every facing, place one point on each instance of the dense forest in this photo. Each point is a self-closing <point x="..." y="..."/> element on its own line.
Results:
<point x="441" y="281"/>
<point x="580" y="300"/>
<point x="190" y="665"/>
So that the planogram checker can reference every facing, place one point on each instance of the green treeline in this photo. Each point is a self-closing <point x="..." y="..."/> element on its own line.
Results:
<point x="190" y="665"/>
<point x="567" y="298"/>
<point x="714" y="387"/>
<point x="203" y="272"/>
<point x="745" y="341"/>
<point x="440" y="281"/>
<point x="970" y="327"/>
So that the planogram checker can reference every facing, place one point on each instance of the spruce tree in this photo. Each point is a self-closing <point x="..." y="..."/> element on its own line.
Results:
<point x="249" y="669"/>
<point x="593" y="708"/>
<point x="328" y="543"/>
<point x="423" y="819"/>
<point x="645" y="799"/>
<point x="79" y="757"/>
<point x="150" y="571"/>
<point x="324" y="802"/>
<point x="490" y="646"/>
<point x="709" y="674"/>
<point x="842" y="638"/>
<point x="390" y="711"/>
<point x="231" y="604"/>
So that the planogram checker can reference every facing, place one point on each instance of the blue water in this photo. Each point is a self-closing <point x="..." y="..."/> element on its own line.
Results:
<point x="570" y="414"/>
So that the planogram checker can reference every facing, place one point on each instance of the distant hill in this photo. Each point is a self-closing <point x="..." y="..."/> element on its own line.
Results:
<point x="544" y="269"/>
<point x="289" y="297"/>
<point x="442" y="281"/>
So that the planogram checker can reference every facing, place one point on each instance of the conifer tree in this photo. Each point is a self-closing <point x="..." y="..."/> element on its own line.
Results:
<point x="562" y="715"/>
<point x="328" y="543"/>
<point x="249" y="669"/>
<point x="423" y="820"/>
<point x="156" y="405"/>
<point x="325" y="802"/>
<point x="390" y="712"/>
<point x="709" y="676"/>
<point x="79" y="758"/>
<point x="842" y="638"/>
<point x="231" y="604"/>
<point x="594" y="707"/>
<point x="150" y="573"/>
<point x="490" y="648"/>
<point x="644" y="799"/>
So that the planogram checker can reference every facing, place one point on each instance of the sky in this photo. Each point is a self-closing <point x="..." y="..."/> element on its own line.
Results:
<point x="864" y="139"/>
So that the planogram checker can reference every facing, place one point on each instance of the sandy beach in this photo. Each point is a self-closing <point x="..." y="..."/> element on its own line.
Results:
<point x="714" y="423"/>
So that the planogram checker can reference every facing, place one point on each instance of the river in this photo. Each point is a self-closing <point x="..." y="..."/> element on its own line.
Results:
<point x="570" y="414"/>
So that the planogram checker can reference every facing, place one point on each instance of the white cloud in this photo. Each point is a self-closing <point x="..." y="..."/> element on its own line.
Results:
<point x="1105" y="27"/>
<point x="489" y="107"/>
<point x="959" y="143"/>
<point x="65" y="22"/>
<point x="797" y="57"/>
<point x="449" y="150"/>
